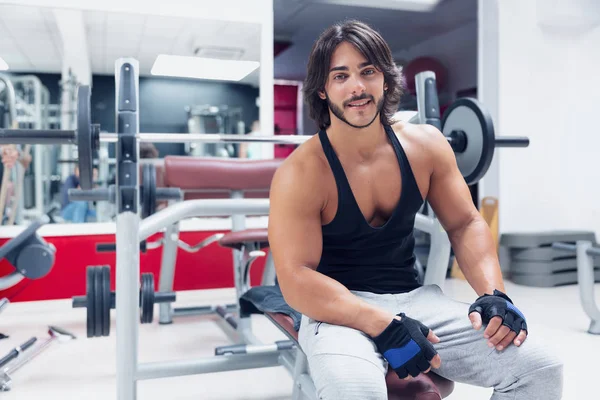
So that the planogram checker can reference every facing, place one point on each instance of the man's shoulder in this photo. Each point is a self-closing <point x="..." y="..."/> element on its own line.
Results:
<point x="304" y="166"/>
<point x="419" y="134"/>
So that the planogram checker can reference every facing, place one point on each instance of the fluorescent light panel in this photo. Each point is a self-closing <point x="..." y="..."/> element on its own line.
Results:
<point x="202" y="68"/>
<point x="3" y="65"/>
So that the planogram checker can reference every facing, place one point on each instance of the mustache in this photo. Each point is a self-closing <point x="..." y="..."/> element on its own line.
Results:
<point x="357" y="98"/>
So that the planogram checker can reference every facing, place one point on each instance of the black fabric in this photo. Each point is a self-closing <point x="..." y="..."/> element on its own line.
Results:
<point x="367" y="258"/>
<point x="3" y="336"/>
<point x="405" y="346"/>
<point x="262" y="299"/>
<point x="500" y="305"/>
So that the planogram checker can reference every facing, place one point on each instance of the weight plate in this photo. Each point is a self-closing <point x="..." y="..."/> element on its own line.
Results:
<point x="150" y="298"/>
<point x="89" y="293"/>
<point x="106" y="301"/>
<point x="144" y="190"/>
<point x="147" y="299"/>
<point x="85" y="138"/>
<point x="98" y="301"/>
<point x="151" y="189"/>
<point x="468" y="115"/>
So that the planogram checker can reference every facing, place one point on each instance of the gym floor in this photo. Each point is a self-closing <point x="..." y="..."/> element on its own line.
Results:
<point x="68" y="370"/>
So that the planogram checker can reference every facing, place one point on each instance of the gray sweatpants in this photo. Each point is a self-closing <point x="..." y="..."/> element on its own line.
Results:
<point x="344" y="362"/>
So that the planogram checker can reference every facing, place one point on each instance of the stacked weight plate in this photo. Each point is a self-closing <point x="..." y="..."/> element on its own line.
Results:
<point x="533" y="262"/>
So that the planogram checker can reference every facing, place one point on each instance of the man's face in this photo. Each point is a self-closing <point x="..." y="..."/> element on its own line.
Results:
<point x="355" y="88"/>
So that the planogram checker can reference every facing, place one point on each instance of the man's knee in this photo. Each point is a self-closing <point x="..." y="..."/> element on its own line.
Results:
<point x="547" y="374"/>
<point x="540" y="371"/>
<point x="348" y="378"/>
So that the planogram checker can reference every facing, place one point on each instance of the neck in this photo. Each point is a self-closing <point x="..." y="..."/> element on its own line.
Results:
<point x="356" y="142"/>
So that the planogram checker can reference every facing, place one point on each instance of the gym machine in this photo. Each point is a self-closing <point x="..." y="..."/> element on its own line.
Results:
<point x="131" y="230"/>
<point x="30" y="255"/>
<point x="212" y="119"/>
<point x="25" y="353"/>
<point x="585" y="251"/>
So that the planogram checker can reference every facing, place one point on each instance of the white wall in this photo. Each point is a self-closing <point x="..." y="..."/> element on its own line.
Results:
<point x="546" y="87"/>
<point x="457" y="50"/>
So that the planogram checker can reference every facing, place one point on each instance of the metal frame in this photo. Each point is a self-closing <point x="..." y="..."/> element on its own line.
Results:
<point x="258" y="355"/>
<point x="131" y="231"/>
<point x="586" y="278"/>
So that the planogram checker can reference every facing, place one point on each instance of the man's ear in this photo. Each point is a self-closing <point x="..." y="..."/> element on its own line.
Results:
<point x="322" y="95"/>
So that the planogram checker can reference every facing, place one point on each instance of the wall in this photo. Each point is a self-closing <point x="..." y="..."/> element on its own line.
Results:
<point x="547" y="88"/>
<point x="162" y="102"/>
<point x="457" y="50"/>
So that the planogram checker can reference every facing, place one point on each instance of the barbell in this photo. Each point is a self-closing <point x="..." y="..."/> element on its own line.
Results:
<point x="467" y="126"/>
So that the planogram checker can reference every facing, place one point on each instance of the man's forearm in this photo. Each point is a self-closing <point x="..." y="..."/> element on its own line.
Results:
<point x="477" y="258"/>
<point x="324" y="299"/>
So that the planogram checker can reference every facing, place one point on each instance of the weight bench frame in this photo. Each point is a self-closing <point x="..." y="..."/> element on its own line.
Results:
<point x="129" y="370"/>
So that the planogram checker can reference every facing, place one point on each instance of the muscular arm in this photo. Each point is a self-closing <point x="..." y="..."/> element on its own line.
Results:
<point x="295" y="240"/>
<point x="468" y="232"/>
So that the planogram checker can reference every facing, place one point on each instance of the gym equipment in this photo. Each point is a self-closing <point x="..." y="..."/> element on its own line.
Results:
<point x="532" y="261"/>
<point x="585" y="251"/>
<point x="30" y="255"/>
<point x="14" y="353"/>
<point x="56" y="334"/>
<point x="213" y="119"/>
<point x="424" y="64"/>
<point x="467" y="126"/>
<point x="149" y="193"/>
<point x="3" y="303"/>
<point x="99" y="300"/>
<point x="131" y="231"/>
<point x="88" y="136"/>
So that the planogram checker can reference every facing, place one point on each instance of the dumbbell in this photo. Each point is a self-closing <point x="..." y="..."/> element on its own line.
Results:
<point x="99" y="300"/>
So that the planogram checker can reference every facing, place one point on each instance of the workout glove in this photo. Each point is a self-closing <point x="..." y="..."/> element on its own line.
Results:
<point x="405" y="346"/>
<point x="499" y="305"/>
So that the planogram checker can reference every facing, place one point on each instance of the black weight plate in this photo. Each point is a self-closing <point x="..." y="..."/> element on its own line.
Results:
<point x="89" y="293"/>
<point x="147" y="298"/>
<point x="84" y="138"/>
<point x="106" y="301"/>
<point x="150" y="298"/>
<point x="468" y="115"/>
<point x="144" y="190"/>
<point x="143" y="299"/>
<point x="98" y="301"/>
<point x="151" y="189"/>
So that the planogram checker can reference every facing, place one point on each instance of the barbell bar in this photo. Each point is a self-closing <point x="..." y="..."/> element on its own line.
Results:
<point x="475" y="141"/>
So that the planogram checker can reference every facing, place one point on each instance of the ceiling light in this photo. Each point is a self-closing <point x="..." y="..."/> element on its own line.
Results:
<point x="3" y="65"/>
<point x="202" y="68"/>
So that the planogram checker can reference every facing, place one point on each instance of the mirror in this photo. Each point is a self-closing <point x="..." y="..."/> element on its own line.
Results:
<point x="50" y="51"/>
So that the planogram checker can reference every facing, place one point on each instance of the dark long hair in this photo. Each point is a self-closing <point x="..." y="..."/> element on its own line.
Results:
<point x="372" y="46"/>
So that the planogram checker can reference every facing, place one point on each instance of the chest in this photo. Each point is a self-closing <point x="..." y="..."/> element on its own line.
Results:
<point x="377" y="187"/>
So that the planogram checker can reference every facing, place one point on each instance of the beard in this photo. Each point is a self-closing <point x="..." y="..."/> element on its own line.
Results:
<point x="339" y="112"/>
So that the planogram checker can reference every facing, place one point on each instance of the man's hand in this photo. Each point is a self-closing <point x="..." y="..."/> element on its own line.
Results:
<point x="503" y="320"/>
<point x="10" y="155"/>
<point x="407" y="345"/>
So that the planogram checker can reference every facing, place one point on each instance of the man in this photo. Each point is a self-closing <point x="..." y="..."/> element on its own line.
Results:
<point x="341" y="231"/>
<point x="77" y="212"/>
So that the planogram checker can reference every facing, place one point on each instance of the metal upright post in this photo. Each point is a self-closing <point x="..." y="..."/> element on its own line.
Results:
<point x="128" y="220"/>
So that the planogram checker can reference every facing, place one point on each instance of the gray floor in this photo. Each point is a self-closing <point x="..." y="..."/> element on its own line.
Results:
<point x="68" y="370"/>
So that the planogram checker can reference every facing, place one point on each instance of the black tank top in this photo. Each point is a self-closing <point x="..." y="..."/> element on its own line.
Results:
<point x="363" y="257"/>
